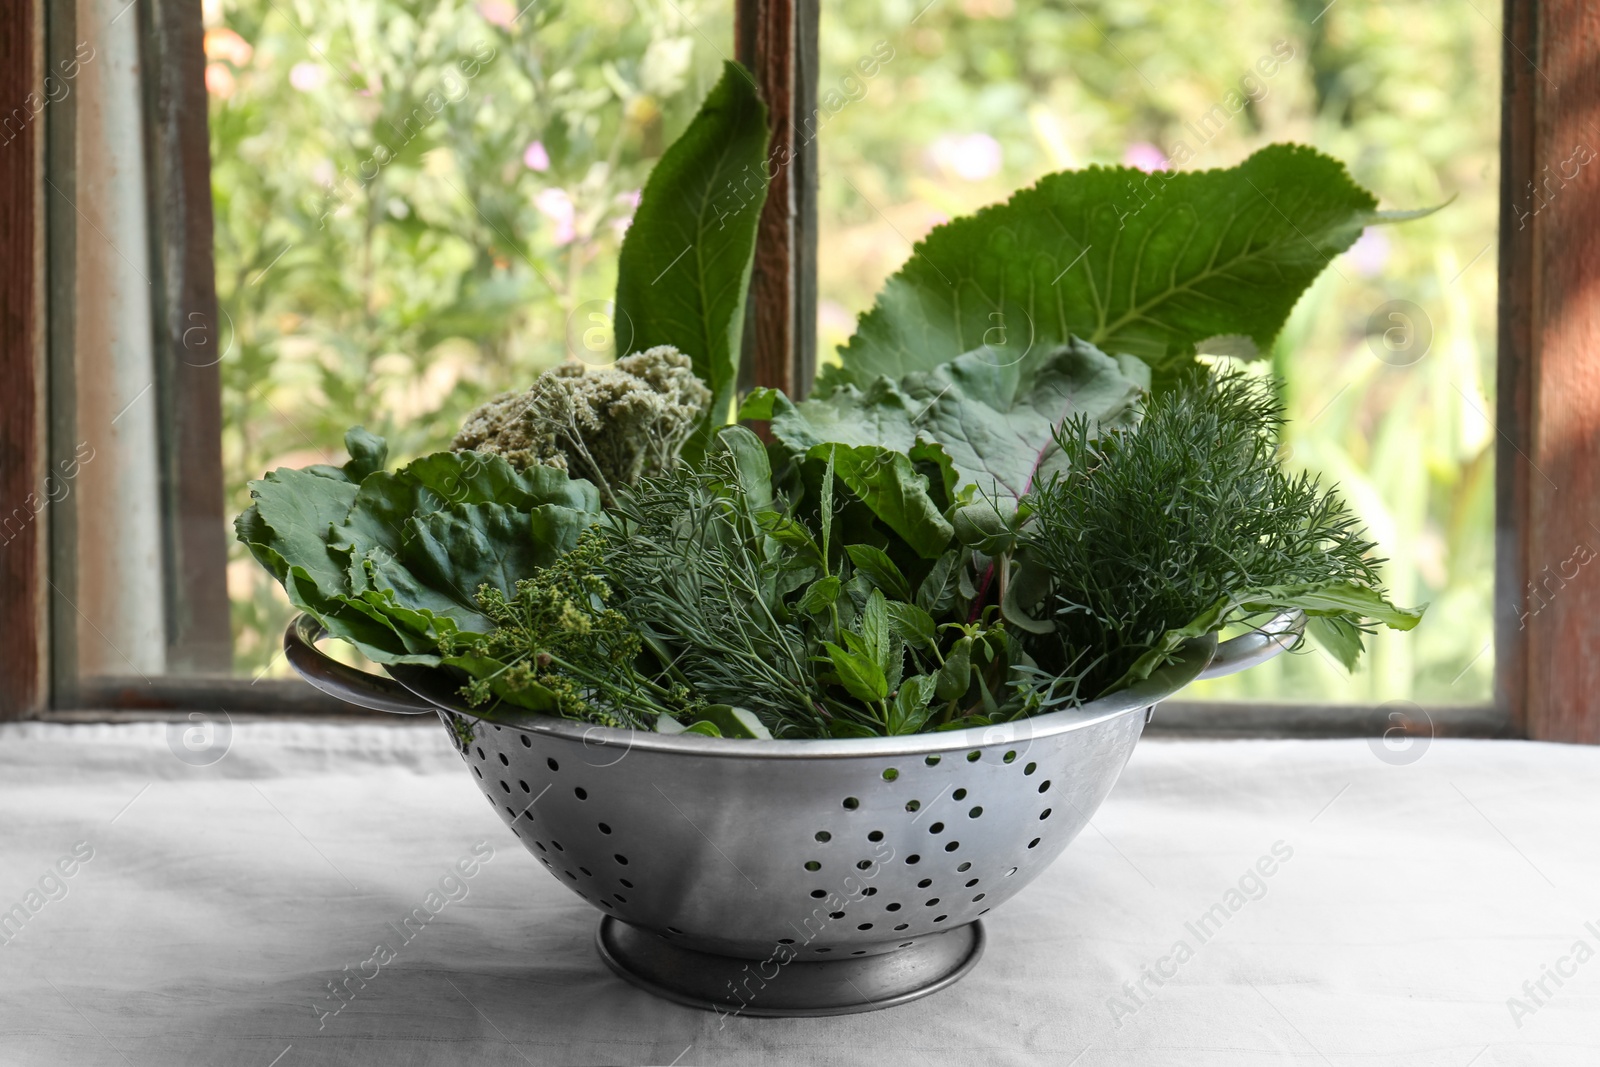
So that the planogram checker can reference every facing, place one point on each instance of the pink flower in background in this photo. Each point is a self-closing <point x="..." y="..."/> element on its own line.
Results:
<point x="557" y="206"/>
<point x="223" y="43"/>
<point x="219" y="80"/>
<point x="1145" y="156"/>
<point x="1370" y="252"/>
<point x="534" y="157"/>
<point x="307" y="77"/>
<point x="499" y="12"/>
<point x="971" y="156"/>
<point x="630" y="202"/>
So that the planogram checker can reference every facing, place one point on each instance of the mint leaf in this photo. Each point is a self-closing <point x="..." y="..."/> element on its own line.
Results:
<point x="685" y="262"/>
<point x="1143" y="264"/>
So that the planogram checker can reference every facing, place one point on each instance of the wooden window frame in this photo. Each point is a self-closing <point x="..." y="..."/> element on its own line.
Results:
<point x="1547" y="661"/>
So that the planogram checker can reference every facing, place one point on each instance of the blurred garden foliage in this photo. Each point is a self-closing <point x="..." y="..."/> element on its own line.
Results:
<point x="420" y="204"/>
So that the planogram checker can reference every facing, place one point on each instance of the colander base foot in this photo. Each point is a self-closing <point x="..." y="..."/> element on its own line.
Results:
<point x="810" y="987"/>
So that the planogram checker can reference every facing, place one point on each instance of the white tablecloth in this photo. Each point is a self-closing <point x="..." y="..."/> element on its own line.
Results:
<point x="1406" y="908"/>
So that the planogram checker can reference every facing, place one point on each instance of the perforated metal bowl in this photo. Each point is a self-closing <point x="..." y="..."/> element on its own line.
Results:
<point x="792" y="877"/>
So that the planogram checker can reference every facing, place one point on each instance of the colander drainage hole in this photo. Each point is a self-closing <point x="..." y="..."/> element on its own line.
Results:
<point x="940" y="918"/>
<point x="625" y="883"/>
<point x="503" y="761"/>
<point x="608" y="904"/>
<point x="813" y="865"/>
<point x="581" y="793"/>
<point x="903" y="926"/>
<point x="569" y="874"/>
<point x="931" y="903"/>
<point x="864" y="926"/>
<point x="870" y="891"/>
<point x="965" y="867"/>
<point x="959" y="794"/>
<point x="925" y="883"/>
<point x="524" y="786"/>
<point x="479" y="772"/>
<point x="911" y="805"/>
<point x="851" y="803"/>
<point x="587" y="873"/>
<point x="907" y="944"/>
<point x="619" y="898"/>
<point x="480" y="753"/>
<point x="913" y="858"/>
<point x="890" y="774"/>
<point x="936" y="828"/>
<point x="979" y="897"/>
<point x="823" y="835"/>
<point x="1009" y="757"/>
<point x="972" y="882"/>
<point x="541" y="846"/>
<point x="1030" y="768"/>
<point x="859" y="952"/>
<point x="526" y="741"/>
<point x="785" y="940"/>
<point x="891" y="907"/>
<point x="932" y="761"/>
<point x="824" y="950"/>
<point x="863" y="865"/>
<point x="974" y="756"/>
<point x="1045" y="814"/>
<point x="975" y="812"/>
<point x="1044" y="786"/>
<point x="819" y="893"/>
<point x="876" y="835"/>
<point x="511" y="814"/>
<point x="1011" y="872"/>
<point x="604" y="828"/>
<point x="505" y="787"/>
<point x="620" y="858"/>
<point x="557" y="845"/>
<point x="835" y="914"/>
<point x="552" y="764"/>
<point x="1034" y="843"/>
<point x="952" y="846"/>
<point x="673" y="930"/>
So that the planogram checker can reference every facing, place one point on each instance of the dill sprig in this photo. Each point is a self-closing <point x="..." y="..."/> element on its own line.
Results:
<point x="1151" y="525"/>
<point x="705" y="585"/>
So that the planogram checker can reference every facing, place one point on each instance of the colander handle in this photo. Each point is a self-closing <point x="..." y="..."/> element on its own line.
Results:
<point x="1247" y="650"/>
<point x="345" y="682"/>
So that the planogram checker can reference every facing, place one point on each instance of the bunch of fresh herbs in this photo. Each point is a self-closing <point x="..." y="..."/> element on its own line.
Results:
<point x="966" y="525"/>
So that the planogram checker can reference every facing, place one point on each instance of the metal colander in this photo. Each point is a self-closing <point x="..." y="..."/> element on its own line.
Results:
<point x="792" y="877"/>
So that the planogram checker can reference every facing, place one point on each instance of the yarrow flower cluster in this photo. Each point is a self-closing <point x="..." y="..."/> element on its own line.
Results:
<point x="612" y="426"/>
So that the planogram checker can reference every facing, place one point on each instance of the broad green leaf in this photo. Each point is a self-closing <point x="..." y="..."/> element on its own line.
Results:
<point x="910" y="709"/>
<point x="912" y="625"/>
<point x="704" y="728"/>
<point x="997" y="422"/>
<point x="750" y="459"/>
<point x="880" y="570"/>
<point x="888" y="483"/>
<point x="368" y="453"/>
<point x="874" y="627"/>
<point x="817" y="598"/>
<point x="938" y="590"/>
<point x="860" y="675"/>
<point x="1337" y="635"/>
<point x="985" y="425"/>
<point x="956" y="674"/>
<point x="735" y="722"/>
<point x="1143" y="264"/>
<point x="1342" y="603"/>
<point x="685" y="261"/>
